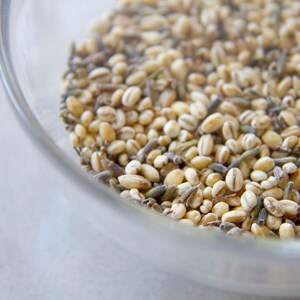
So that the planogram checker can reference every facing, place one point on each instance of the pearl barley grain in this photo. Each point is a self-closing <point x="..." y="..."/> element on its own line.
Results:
<point x="234" y="180"/>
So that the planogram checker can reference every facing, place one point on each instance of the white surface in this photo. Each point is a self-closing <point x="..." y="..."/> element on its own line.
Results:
<point x="49" y="252"/>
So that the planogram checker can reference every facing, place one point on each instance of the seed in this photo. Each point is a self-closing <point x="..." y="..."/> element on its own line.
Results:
<point x="213" y="105"/>
<point x="120" y="68"/>
<point x="99" y="74"/>
<point x="134" y="182"/>
<point x="295" y="196"/>
<point x="160" y="161"/>
<point x="86" y="118"/>
<point x="212" y="123"/>
<point x="222" y="154"/>
<point x="131" y="96"/>
<point x="286" y="232"/>
<point x="261" y="122"/>
<point x="178" y="210"/>
<point x="206" y="206"/>
<point x="257" y="208"/>
<point x="220" y="209"/>
<point x="167" y="98"/>
<point x="104" y="176"/>
<point x="247" y="129"/>
<point x="205" y="145"/>
<point x="249" y="141"/>
<point x="142" y="154"/>
<point x="290" y="131"/>
<point x="188" y="195"/>
<point x="247" y="155"/>
<point x="180" y="107"/>
<point x="183" y="187"/>
<point x="169" y="194"/>
<point x="106" y="114"/>
<point x="200" y="97"/>
<point x="80" y="131"/>
<point x="156" y="191"/>
<point x="275" y="192"/>
<point x="284" y="160"/>
<point x="136" y="78"/>
<point x="288" y="118"/>
<point x="96" y="162"/>
<point x="258" y="176"/>
<point x="201" y="162"/>
<point x="198" y="110"/>
<point x="234" y="180"/>
<point x="289" y="168"/>
<point x="226" y="226"/>
<point x="150" y="173"/>
<point x="158" y="123"/>
<point x="264" y="164"/>
<point x="291" y="208"/>
<point x="219" y="189"/>
<point x="212" y="178"/>
<point x="184" y="136"/>
<point x="254" y="187"/>
<point x="248" y="200"/>
<point x="231" y="90"/>
<point x="115" y="168"/>
<point x="273" y="222"/>
<point x="146" y="117"/>
<point x="272" y="139"/>
<point x="269" y="183"/>
<point x="187" y="122"/>
<point x="196" y="200"/>
<point x="210" y="217"/>
<point x="290" y="142"/>
<point x="132" y="147"/>
<point x="191" y="153"/>
<point x="194" y="216"/>
<point x="116" y="147"/>
<point x="274" y="207"/>
<point x="233" y="146"/>
<point x="74" y="139"/>
<point x="246" y="117"/>
<point x="288" y="190"/>
<point x="119" y="119"/>
<point x="279" y="173"/>
<point x="283" y="86"/>
<point x="262" y="215"/>
<point x="107" y="132"/>
<point x="179" y="69"/>
<point x="257" y="231"/>
<point x="218" y="168"/>
<point x="293" y="225"/>
<point x="174" y="158"/>
<point x="234" y="216"/>
<point x="175" y="177"/>
<point x="230" y="130"/>
<point x="74" y="106"/>
<point x="191" y="176"/>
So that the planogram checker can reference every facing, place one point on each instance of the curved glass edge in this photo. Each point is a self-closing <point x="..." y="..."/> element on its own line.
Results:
<point x="264" y="249"/>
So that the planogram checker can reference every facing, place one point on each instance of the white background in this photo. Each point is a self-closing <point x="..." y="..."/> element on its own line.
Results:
<point x="49" y="252"/>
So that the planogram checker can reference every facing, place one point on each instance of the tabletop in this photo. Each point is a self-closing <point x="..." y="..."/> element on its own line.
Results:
<point x="50" y="252"/>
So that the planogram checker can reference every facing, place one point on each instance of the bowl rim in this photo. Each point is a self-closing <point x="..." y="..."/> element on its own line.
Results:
<point x="264" y="249"/>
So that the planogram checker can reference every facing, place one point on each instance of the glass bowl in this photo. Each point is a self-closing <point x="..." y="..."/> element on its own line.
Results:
<point x="34" y="43"/>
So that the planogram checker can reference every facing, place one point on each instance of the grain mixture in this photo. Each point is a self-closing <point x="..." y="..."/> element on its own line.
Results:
<point x="192" y="108"/>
